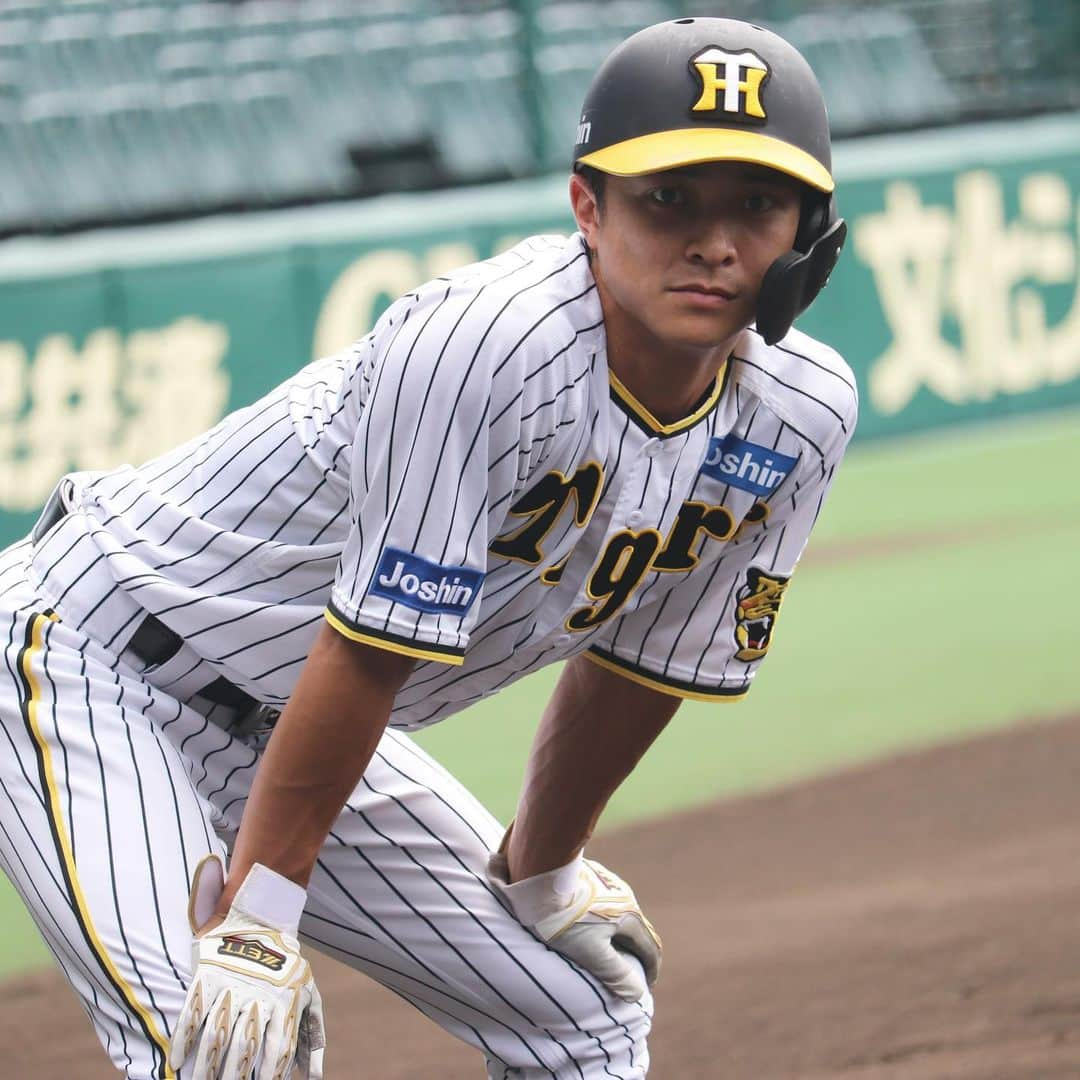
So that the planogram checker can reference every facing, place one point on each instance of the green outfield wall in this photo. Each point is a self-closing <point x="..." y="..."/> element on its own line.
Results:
<point x="958" y="297"/>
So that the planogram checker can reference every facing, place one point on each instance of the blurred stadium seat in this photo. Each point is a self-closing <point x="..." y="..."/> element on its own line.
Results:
<point x="137" y="35"/>
<point x="192" y="58"/>
<point x="22" y="199"/>
<point x="570" y="40"/>
<point x="140" y="160"/>
<point x="398" y="118"/>
<point x="201" y="22"/>
<point x="72" y="52"/>
<point x="273" y="136"/>
<point x="198" y="118"/>
<point x="875" y="71"/>
<point x="469" y="76"/>
<point x="61" y="135"/>
<point x="326" y="64"/>
<point x="247" y="53"/>
<point x="278" y="101"/>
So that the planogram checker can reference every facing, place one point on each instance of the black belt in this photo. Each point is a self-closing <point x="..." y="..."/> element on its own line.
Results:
<point x="154" y="643"/>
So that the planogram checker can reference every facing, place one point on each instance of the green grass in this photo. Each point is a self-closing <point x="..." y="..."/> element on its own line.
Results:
<point x="932" y="603"/>
<point x="1018" y="471"/>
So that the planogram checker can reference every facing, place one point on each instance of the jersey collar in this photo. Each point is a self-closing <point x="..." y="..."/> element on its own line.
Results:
<point x="649" y="423"/>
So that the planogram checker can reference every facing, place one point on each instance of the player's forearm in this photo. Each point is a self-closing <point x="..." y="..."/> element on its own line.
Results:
<point x="593" y="732"/>
<point x="321" y="746"/>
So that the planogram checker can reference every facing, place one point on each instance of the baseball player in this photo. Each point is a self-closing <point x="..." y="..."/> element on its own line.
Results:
<point x="606" y="449"/>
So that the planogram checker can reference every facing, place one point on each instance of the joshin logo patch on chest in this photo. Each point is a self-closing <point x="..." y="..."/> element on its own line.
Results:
<point x="425" y="586"/>
<point x="747" y="465"/>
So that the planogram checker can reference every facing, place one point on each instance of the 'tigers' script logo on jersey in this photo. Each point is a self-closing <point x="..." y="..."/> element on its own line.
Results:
<point x="746" y="465"/>
<point x="730" y="82"/>
<point x="425" y="586"/>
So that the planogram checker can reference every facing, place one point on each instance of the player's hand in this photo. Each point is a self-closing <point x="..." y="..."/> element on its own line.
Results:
<point x="597" y="924"/>
<point x="252" y="1008"/>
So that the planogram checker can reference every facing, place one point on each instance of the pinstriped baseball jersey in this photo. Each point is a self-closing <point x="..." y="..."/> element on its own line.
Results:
<point x="469" y="484"/>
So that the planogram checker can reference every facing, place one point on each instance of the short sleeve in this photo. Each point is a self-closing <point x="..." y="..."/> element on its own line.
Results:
<point x="707" y="636"/>
<point x="435" y="463"/>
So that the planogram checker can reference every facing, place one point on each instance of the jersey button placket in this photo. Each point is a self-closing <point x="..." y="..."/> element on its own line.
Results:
<point x="629" y="513"/>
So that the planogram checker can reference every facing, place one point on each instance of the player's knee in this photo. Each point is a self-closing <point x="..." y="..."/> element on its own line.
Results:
<point x="596" y="1043"/>
<point x="613" y="1041"/>
<point x="620" y="1044"/>
<point x="621" y="1047"/>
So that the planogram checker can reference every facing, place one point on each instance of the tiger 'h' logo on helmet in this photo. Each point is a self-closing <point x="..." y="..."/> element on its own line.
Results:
<point x="730" y="82"/>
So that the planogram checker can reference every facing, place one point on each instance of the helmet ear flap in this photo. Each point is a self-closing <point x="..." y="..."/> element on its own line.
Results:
<point x="818" y="212"/>
<point x="778" y="300"/>
<point x="794" y="279"/>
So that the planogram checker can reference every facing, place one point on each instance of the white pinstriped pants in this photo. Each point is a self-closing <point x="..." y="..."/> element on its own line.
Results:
<point x="111" y="791"/>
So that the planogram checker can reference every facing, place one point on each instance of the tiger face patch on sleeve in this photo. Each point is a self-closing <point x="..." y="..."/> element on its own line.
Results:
<point x="757" y="604"/>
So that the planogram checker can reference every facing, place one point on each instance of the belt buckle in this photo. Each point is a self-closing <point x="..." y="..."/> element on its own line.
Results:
<point x="255" y="727"/>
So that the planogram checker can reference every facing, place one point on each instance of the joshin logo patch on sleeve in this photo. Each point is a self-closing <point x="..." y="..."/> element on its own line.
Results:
<point x="425" y="586"/>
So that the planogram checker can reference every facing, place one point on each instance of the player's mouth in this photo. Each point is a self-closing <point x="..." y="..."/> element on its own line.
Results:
<point x="706" y="296"/>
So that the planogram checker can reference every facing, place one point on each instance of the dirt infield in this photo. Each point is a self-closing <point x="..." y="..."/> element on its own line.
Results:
<point x="917" y="918"/>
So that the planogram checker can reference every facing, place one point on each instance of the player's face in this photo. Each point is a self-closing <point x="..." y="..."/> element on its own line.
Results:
<point x="680" y="255"/>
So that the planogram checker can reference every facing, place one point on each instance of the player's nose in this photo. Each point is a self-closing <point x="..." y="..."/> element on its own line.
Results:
<point x="713" y="242"/>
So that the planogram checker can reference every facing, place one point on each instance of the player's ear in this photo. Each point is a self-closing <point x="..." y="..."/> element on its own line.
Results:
<point x="586" y="207"/>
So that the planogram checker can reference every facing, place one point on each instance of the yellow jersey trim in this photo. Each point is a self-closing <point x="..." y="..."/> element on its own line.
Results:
<point x="653" y="683"/>
<point x="650" y="422"/>
<point x="692" y="146"/>
<point x="394" y="645"/>
<point x="34" y="646"/>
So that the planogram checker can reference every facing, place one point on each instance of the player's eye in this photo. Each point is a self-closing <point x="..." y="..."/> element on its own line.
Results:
<point x="667" y="196"/>
<point x="759" y="202"/>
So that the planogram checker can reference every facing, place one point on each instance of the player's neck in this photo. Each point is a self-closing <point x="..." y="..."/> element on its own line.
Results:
<point x="670" y="382"/>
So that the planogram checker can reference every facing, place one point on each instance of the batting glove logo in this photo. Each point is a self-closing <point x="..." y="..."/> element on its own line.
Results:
<point x="252" y="950"/>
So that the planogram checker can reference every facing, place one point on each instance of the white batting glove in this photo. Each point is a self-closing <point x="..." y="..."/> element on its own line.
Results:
<point x="590" y="915"/>
<point x="252" y="1008"/>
